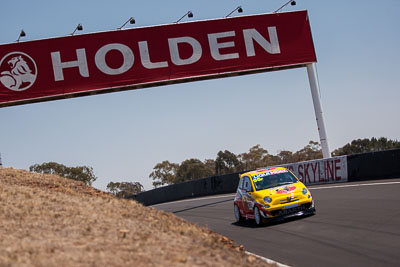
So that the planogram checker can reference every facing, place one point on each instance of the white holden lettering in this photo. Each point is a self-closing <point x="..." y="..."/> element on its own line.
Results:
<point x="251" y="35"/>
<point x="100" y="59"/>
<point x="58" y="66"/>
<point x="145" y="57"/>
<point x="215" y="43"/>
<point x="215" y="46"/>
<point x="174" y="50"/>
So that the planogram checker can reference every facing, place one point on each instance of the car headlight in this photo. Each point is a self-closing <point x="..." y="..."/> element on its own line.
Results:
<point x="267" y="199"/>
<point x="304" y="191"/>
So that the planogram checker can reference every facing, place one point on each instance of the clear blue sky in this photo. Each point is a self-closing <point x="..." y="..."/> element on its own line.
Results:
<point x="124" y="135"/>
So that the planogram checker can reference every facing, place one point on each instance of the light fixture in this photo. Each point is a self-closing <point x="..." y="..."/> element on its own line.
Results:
<point x="189" y="14"/>
<point x="21" y="34"/>
<point x="292" y="2"/>
<point x="239" y="10"/>
<point x="131" y="20"/>
<point x="78" y="28"/>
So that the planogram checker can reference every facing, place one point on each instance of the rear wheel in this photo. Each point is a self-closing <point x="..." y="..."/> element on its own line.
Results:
<point x="238" y="216"/>
<point x="257" y="216"/>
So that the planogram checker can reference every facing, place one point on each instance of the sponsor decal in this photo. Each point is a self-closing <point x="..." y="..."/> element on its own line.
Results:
<point x="18" y="71"/>
<point x="264" y="170"/>
<point x="278" y="171"/>
<point x="283" y="190"/>
<point x="332" y="170"/>
<point x="258" y="177"/>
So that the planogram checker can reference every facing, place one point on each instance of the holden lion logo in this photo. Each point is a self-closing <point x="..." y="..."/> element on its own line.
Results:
<point x="17" y="71"/>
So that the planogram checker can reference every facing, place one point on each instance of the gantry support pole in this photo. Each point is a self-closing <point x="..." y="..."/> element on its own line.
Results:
<point x="313" y="79"/>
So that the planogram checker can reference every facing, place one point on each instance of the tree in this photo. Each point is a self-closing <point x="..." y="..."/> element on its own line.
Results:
<point x="309" y="152"/>
<point x="285" y="156"/>
<point x="226" y="162"/>
<point x="366" y="145"/>
<point x="192" y="169"/>
<point x="124" y="189"/>
<point x="81" y="173"/>
<point x="164" y="173"/>
<point x="210" y="164"/>
<point x="256" y="157"/>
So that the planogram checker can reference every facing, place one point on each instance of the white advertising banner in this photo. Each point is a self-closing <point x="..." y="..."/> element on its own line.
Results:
<point x="322" y="171"/>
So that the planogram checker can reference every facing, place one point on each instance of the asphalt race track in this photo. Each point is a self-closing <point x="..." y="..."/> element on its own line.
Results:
<point x="356" y="224"/>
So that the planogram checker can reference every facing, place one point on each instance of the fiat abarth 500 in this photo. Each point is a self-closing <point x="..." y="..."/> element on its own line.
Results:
<point x="273" y="193"/>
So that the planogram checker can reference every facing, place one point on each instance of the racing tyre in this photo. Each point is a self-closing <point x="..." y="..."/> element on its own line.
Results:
<point x="257" y="216"/>
<point x="238" y="216"/>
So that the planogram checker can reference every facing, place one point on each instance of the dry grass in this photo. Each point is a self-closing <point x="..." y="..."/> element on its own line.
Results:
<point x="46" y="220"/>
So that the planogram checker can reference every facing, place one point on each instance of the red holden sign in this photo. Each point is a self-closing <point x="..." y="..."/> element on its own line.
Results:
<point x="127" y="59"/>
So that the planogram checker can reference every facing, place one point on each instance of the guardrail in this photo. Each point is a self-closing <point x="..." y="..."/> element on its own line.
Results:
<point x="366" y="166"/>
<point x="197" y="188"/>
<point x="374" y="165"/>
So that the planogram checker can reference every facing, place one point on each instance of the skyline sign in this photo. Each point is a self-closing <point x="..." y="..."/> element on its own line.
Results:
<point x="94" y="63"/>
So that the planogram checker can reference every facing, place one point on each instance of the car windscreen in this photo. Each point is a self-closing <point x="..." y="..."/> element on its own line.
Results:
<point x="272" y="179"/>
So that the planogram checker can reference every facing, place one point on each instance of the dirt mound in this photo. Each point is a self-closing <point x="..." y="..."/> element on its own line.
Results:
<point x="46" y="220"/>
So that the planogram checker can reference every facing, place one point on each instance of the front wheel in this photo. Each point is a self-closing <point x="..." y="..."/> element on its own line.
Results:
<point x="257" y="216"/>
<point x="238" y="216"/>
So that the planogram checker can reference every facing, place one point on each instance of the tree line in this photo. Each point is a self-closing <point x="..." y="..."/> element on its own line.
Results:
<point x="226" y="162"/>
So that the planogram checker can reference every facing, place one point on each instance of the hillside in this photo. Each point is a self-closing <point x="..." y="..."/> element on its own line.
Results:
<point x="46" y="220"/>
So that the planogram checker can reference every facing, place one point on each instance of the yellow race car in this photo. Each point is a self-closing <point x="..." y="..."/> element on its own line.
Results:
<point x="273" y="193"/>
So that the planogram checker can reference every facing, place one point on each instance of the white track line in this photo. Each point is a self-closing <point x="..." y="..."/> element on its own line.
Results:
<point x="269" y="261"/>
<point x="351" y="185"/>
<point x="309" y="186"/>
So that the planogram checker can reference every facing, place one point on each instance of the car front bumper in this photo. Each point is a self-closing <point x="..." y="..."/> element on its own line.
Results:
<point x="300" y="210"/>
